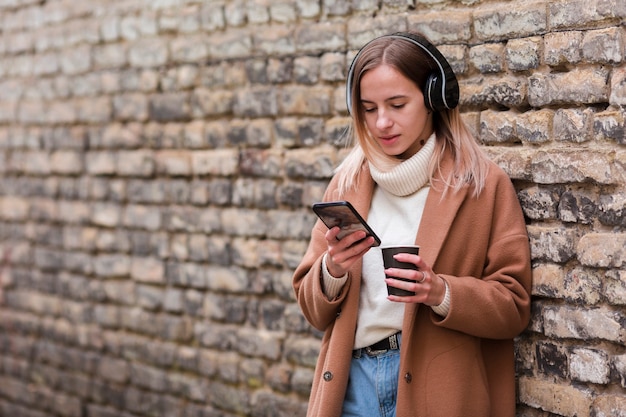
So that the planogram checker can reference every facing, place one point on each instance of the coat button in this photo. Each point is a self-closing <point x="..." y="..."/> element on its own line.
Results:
<point x="328" y="376"/>
<point x="408" y="377"/>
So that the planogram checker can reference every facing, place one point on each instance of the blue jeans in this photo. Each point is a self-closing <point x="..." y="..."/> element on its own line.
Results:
<point x="373" y="385"/>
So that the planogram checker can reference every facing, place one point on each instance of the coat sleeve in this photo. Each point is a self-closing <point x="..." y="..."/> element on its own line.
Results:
<point x="307" y="280"/>
<point x="493" y="301"/>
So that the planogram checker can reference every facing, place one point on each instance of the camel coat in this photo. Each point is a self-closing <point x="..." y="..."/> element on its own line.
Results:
<point x="458" y="366"/>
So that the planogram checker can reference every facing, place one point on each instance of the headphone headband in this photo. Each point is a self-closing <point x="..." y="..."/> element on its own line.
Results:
<point x="442" y="88"/>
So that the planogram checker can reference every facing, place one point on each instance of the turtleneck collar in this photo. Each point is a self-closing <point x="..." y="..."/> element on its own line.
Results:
<point x="408" y="176"/>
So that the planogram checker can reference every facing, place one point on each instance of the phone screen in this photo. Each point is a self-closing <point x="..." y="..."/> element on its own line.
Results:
<point x="344" y="215"/>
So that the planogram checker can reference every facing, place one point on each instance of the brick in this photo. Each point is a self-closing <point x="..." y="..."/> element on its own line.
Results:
<point x="571" y="322"/>
<point x="577" y="86"/>
<point x="611" y="209"/>
<point x="234" y="280"/>
<point x="602" y="250"/>
<point x="552" y="359"/>
<point x="148" y="270"/>
<point x="13" y="208"/>
<point x="211" y="102"/>
<point x="362" y="29"/>
<point x="186" y="386"/>
<point x="66" y="162"/>
<point x="109" y="55"/>
<point x="573" y="125"/>
<point x="488" y="58"/>
<point x="186" y="274"/>
<point x="535" y="126"/>
<point x="109" y="266"/>
<point x="260" y="343"/>
<point x="170" y="107"/>
<point x="512" y="22"/>
<point x="76" y="60"/>
<point x="563" y="47"/>
<point x="615" y="288"/>
<point x="114" y="370"/>
<point x="256" y="102"/>
<point x="31" y="112"/>
<point x="567" y="167"/>
<point x="611" y="8"/>
<point x="574" y="13"/>
<point x="148" y="377"/>
<point x="609" y="406"/>
<point x="277" y="41"/>
<point x="589" y="365"/>
<point x="523" y="54"/>
<point x="306" y="70"/>
<point x="498" y="127"/>
<point x="324" y="36"/>
<point x="235" y="43"/>
<point x="283" y="12"/>
<point x="332" y="67"/>
<point x="138" y="163"/>
<point x="310" y="163"/>
<point x="609" y="125"/>
<point x="507" y="91"/>
<point x="604" y="46"/>
<point x="302" y="351"/>
<point x="173" y="162"/>
<point x="618" y="92"/>
<point x="100" y="163"/>
<point x="62" y="112"/>
<point x="118" y="136"/>
<point x="105" y="214"/>
<point x="189" y="49"/>
<point x="552" y="244"/>
<point x="560" y="399"/>
<point x="149" y="297"/>
<point x="94" y="110"/>
<point x="148" y="53"/>
<point x="539" y="203"/>
<point x="442" y="26"/>
<point x="130" y="107"/>
<point x="216" y="162"/>
<point x="577" y="207"/>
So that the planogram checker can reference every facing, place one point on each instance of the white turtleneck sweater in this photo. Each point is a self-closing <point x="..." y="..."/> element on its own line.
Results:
<point x="395" y="214"/>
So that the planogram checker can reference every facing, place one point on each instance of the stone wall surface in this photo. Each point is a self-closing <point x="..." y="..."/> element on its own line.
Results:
<point x="158" y="159"/>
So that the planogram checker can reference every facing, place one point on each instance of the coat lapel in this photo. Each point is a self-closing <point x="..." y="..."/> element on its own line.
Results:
<point x="439" y="213"/>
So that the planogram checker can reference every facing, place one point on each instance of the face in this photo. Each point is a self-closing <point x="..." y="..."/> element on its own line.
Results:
<point x="394" y="111"/>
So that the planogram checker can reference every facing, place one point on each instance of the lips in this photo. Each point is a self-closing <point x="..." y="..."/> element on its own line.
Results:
<point x="388" y="139"/>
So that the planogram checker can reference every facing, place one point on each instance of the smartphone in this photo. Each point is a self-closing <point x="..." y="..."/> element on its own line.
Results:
<point x="344" y="215"/>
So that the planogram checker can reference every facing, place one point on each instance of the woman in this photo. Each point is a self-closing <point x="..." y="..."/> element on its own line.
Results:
<point x="418" y="177"/>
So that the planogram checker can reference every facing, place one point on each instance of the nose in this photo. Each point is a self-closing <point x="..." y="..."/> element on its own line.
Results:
<point x="383" y="121"/>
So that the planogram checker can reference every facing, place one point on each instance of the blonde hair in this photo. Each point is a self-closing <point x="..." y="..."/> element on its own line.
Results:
<point x="452" y="135"/>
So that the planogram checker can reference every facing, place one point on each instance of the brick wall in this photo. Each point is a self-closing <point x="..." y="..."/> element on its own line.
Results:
<point x="159" y="157"/>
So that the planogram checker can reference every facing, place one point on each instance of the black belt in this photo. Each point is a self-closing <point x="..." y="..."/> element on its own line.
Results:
<point x="382" y="346"/>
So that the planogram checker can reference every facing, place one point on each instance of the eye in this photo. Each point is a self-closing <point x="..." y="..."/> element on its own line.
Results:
<point x="398" y="106"/>
<point x="369" y="109"/>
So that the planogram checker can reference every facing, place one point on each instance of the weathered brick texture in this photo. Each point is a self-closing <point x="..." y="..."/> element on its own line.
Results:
<point x="158" y="161"/>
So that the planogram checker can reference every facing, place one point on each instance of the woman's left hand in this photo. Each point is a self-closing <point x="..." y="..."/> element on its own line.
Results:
<point x="429" y="287"/>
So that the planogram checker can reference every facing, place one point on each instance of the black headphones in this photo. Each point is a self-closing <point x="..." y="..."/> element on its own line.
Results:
<point x="442" y="88"/>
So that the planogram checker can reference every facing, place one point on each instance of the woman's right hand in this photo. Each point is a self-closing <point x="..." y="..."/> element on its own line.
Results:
<point x="342" y="254"/>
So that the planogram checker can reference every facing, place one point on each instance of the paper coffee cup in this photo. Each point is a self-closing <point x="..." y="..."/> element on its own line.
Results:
<point x="389" y="262"/>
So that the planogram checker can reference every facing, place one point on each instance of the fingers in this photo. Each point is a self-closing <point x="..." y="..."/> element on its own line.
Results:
<point x="344" y="252"/>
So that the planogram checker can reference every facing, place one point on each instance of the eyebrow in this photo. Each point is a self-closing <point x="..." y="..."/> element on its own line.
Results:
<point x="399" y="96"/>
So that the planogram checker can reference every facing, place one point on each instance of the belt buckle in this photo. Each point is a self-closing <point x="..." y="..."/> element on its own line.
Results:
<point x="393" y="341"/>
<point x="372" y="352"/>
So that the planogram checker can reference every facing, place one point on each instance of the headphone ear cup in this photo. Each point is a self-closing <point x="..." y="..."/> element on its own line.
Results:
<point x="432" y="97"/>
